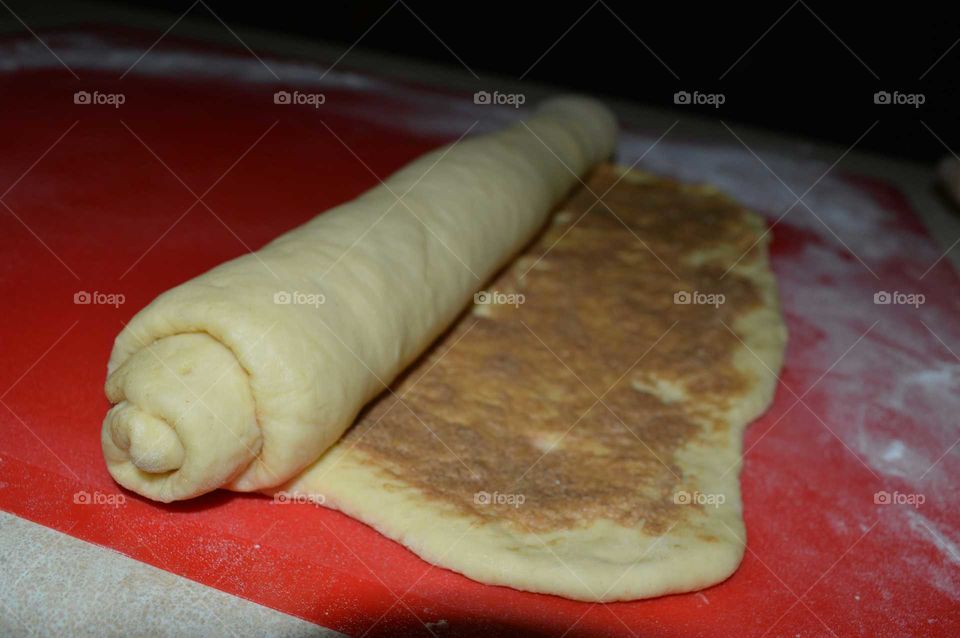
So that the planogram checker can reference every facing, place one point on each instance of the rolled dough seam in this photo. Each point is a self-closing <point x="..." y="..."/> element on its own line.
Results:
<point x="306" y="331"/>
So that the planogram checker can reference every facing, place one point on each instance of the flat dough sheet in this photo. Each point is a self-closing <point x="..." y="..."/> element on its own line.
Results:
<point x="578" y="431"/>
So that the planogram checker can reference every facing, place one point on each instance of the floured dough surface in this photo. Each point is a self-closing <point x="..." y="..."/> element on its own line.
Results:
<point x="580" y="433"/>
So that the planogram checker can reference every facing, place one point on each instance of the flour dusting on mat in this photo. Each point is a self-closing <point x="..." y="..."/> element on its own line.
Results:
<point x="887" y="412"/>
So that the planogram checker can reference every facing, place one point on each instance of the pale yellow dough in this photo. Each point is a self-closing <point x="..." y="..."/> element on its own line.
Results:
<point x="604" y="561"/>
<point x="304" y="332"/>
<point x="246" y="377"/>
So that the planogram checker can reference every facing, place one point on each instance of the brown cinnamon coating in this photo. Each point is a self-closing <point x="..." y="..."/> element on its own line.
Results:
<point x="546" y="399"/>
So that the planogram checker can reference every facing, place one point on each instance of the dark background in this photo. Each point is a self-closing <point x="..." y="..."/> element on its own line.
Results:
<point x="803" y="76"/>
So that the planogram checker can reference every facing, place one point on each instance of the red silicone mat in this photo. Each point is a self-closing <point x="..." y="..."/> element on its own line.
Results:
<point x="97" y="201"/>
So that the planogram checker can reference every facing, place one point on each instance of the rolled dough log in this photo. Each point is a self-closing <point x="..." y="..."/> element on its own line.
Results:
<point x="245" y="375"/>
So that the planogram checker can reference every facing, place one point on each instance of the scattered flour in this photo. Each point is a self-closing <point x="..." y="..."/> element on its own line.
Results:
<point x="893" y="400"/>
<point x="943" y="573"/>
<point x="937" y="537"/>
<point x="893" y="452"/>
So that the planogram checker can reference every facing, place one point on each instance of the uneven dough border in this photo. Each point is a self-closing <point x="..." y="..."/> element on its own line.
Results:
<point x="604" y="562"/>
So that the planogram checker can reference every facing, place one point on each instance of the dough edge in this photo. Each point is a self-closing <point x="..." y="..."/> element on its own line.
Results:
<point x="563" y="562"/>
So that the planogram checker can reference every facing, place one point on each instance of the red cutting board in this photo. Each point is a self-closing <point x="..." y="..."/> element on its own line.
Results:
<point x="94" y="203"/>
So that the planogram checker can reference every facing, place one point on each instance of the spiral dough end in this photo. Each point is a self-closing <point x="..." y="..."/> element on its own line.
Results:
<point x="184" y="420"/>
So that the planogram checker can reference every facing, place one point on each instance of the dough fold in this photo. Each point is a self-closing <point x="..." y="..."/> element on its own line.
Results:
<point x="245" y="375"/>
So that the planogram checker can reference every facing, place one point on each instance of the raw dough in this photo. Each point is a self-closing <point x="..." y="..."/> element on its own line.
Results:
<point x="495" y="464"/>
<point x="298" y="336"/>
<point x="584" y="441"/>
